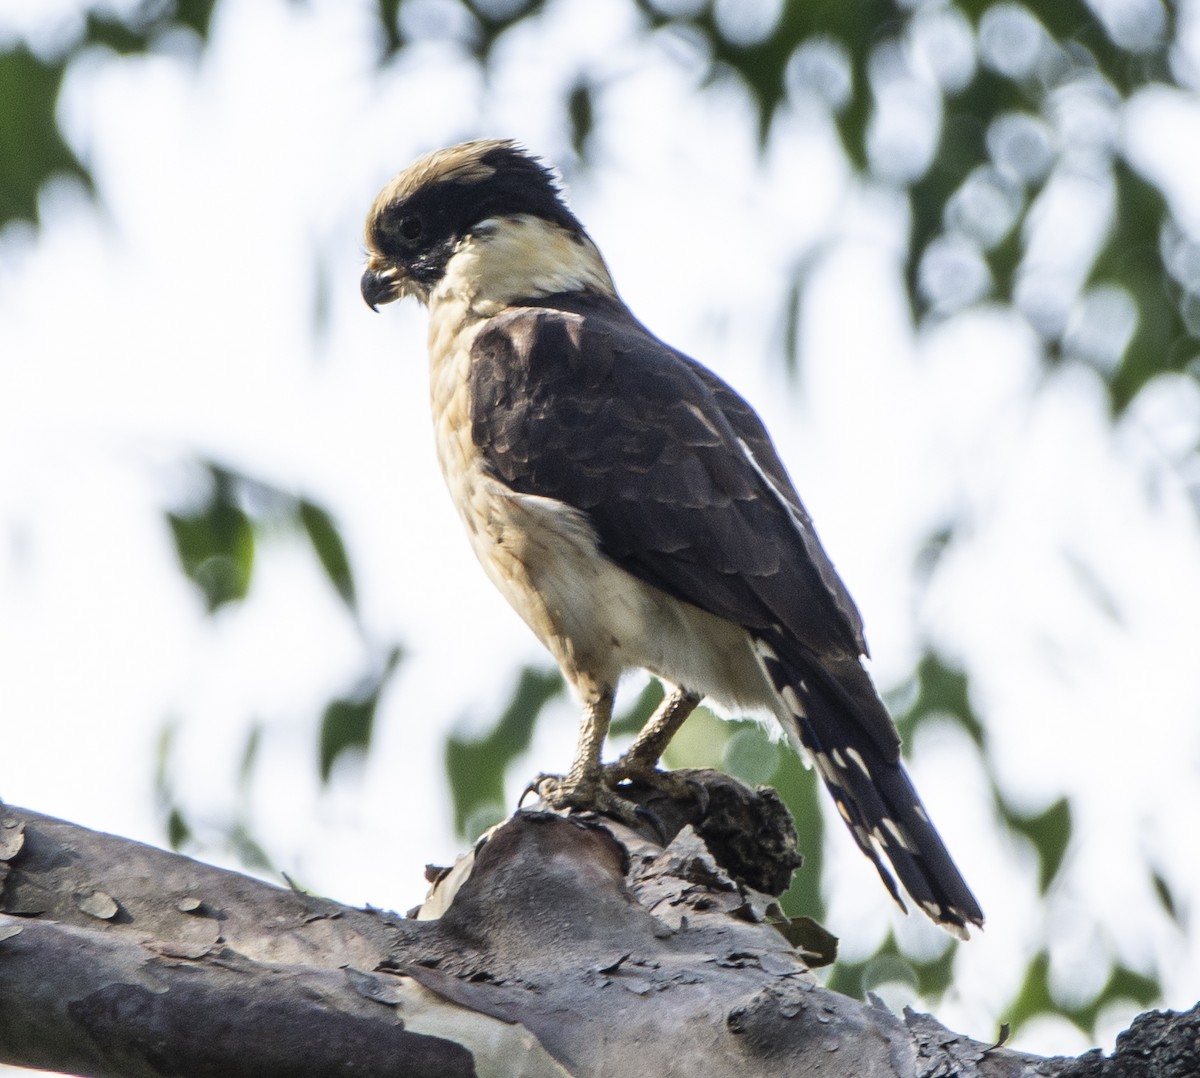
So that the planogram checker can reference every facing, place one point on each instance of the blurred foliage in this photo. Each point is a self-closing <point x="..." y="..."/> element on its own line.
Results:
<point x="215" y="542"/>
<point x="235" y="834"/>
<point x="929" y="978"/>
<point x="1015" y="100"/>
<point x="629" y="722"/>
<point x="1037" y="996"/>
<point x="329" y="548"/>
<point x="1166" y="897"/>
<point x="940" y="691"/>
<point x="476" y="767"/>
<point x="581" y="112"/>
<point x="216" y="536"/>
<point x="479" y="24"/>
<point x="1048" y="832"/>
<point x="31" y="147"/>
<point x="1132" y="259"/>
<point x="760" y="56"/>
<point x="1003" y="84"/>
<point x="349" y="721"/>
<point x="1016" y="97"/>
<point x="178" y="829"/>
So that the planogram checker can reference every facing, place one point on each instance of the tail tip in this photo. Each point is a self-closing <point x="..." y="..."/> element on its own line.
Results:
<point x="954" y="919"/>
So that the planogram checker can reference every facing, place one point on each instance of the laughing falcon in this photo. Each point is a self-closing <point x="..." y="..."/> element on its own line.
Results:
<point x="631" y="506"/>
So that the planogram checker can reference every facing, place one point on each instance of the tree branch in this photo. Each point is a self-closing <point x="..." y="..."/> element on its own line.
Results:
<point x="559" y="947"/>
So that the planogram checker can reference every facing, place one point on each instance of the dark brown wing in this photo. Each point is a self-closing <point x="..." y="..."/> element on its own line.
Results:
<point x="749" y="428"/>
<point x="574" y="400"/>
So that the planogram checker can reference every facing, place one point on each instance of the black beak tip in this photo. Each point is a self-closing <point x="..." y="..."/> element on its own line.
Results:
<point x="374" y="289"/>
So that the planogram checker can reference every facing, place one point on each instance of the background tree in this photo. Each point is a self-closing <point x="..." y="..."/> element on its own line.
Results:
<point x="961" y="232"/>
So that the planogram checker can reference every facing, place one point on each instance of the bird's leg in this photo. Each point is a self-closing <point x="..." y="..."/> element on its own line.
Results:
<point x="591" y="785"/>
<point x="586" y="785"/>
<point x="640" y="761"/>
<point x="597" y="714"/>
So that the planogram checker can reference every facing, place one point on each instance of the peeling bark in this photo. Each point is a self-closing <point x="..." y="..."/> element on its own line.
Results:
<point x="558" y="947"/>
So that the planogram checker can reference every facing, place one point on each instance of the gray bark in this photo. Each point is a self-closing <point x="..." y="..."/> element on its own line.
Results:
<point x="559" y="946"/>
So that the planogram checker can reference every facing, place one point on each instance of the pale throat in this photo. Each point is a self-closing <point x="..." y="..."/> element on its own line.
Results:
<point x="515" y="258"/>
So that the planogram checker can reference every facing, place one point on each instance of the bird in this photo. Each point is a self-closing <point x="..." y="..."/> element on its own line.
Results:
<point x="631" y="506"/>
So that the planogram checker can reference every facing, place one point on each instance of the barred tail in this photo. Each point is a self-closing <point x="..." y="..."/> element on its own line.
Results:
<point x="824" y="711"/>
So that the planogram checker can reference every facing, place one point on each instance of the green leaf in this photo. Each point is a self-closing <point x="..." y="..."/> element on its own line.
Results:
<point x="179" y="833"/>
<point x="929" y="557"/>
<point x="761" y="66"/>
<point x="1132" y="259"/>
<point x="638" y="713"/>
<point x="248" y="850"/>
<point x="349" y="721"/>
<point x="961" y="149"/>
<point x="493" y="26"/>
<point x="1049" y="832"/>
<point x="1126" y="983"/>
<point x="853" y="120"/>
<point x="802" y="793"/>
<point x="930" y="978"/>
<point x="1035" y="996"/>
<point x="701" y="741"/>
<point x="31" y="147"/>
<point x="793" y="306"/>
<point x="196" y="15"/>
<point x="935" y="975"/>
<point x="123" y="37"/>
<point x="1166" y="897"/>
<point x="215" y="543"/>
<point x="139" y="29"/>
<point x="1094" y="586"/>
<point x="329" y="548"/>
<point x="249" y="757"/>
<point x="941" y="692"/>
<point x="476" y="766"/>
<point x="389" y="25"/>
<point x="581" y="112"/>
<point x="346" y="726"/>
<point x="753" y="757"/>
<point x="1005" y="257"/>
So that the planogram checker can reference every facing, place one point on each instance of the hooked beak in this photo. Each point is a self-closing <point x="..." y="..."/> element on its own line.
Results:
<point x="380" y="285"/>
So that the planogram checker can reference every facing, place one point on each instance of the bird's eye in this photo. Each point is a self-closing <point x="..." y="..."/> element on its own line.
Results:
<point x="396" y="230"/>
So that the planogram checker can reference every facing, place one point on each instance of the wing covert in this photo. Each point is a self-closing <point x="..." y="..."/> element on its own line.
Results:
<point x="673" y="470"/>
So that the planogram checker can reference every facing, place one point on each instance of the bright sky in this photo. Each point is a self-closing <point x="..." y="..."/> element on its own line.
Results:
<point x="179" y="320"/>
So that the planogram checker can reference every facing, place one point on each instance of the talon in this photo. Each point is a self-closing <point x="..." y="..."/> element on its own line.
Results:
<point x="532" y="788"/>
<point x="699" y="793"/>
<point x="545" y="787"/>
<point x="654" y="821"/>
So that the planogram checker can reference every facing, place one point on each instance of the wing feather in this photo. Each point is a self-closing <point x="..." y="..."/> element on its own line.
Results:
<point x="573" y="399"/>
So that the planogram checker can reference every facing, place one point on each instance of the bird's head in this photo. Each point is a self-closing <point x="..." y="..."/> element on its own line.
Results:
<point x="494" y="203"/>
